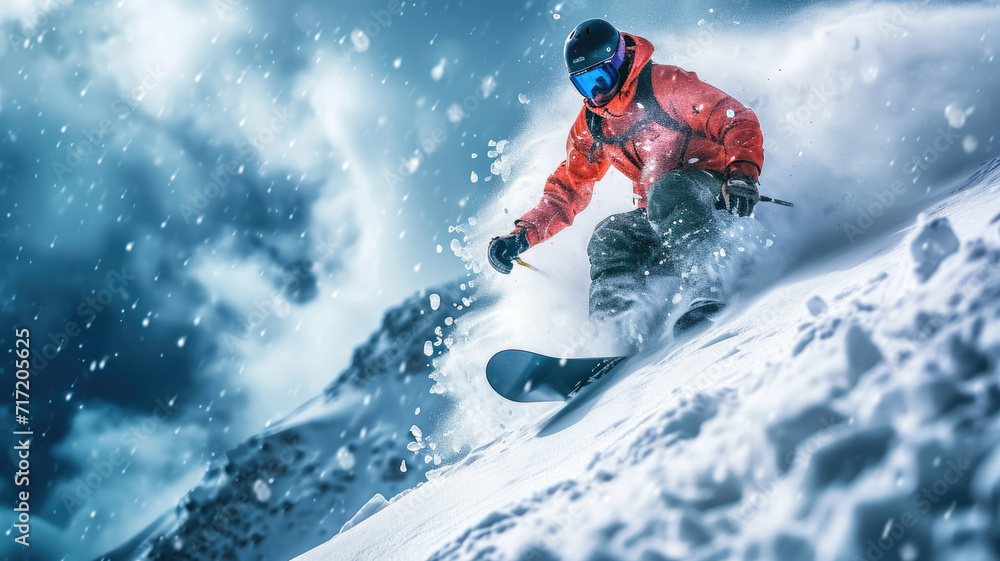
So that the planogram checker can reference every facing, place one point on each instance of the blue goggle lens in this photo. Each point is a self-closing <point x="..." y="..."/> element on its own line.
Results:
<point x="598" y="80"/>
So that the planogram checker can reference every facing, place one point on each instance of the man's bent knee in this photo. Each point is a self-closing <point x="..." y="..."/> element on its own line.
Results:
<point x="683" y="200"/>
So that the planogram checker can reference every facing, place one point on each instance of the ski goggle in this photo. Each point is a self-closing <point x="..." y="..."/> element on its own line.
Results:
<point x="602" y="77"/>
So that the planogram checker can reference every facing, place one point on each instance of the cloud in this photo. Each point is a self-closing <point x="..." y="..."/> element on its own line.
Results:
<point x="32" y="15"/>
<point x="120" y="460"/>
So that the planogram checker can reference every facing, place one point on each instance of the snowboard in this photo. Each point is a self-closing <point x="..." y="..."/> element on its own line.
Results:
<point x="527" y="377"/>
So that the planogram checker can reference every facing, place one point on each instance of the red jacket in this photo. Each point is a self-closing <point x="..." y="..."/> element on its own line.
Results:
<point x="719" y="132"/>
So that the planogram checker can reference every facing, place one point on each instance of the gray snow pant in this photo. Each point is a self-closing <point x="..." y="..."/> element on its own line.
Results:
<point x="629" y="248"/>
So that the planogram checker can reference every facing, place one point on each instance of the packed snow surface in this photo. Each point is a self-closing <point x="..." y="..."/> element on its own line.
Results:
<point x="847" y="412"/>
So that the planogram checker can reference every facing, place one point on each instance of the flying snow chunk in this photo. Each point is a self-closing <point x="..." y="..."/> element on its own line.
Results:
<point x="969" y="144"/>
<point x="261" y="491"/>
<point x="488" y="84"/>
<point x="360" y="41"/>
<point x="412" y="164"/>
<point x="869" y="74"/>
<point x="428" y="348"/>
<point x="438" y="71"/>
<point x="345" y="459"/>
<point x="455" y="113"/>
<point x="435" y="301"/>
<point x="956" y="115"/>
<point x="523" y="98"/>
<point x="935" y="242"/>
<point x="474" y="178"/>
<point x="730" y="113"/>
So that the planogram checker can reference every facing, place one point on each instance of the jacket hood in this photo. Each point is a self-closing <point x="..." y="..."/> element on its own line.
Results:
<point x="640" y="54"/>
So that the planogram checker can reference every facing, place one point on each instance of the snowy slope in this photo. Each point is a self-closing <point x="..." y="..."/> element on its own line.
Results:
<point x="296" y="484"/>
<point x="849" y="412"/>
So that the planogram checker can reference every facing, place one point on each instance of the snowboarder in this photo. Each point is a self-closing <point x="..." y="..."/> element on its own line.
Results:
<point x="689" y="149"/>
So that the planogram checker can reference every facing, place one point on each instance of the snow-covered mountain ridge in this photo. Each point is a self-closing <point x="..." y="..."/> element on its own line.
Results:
<point x="294" y="485"/>
<point x="851" y="411"/>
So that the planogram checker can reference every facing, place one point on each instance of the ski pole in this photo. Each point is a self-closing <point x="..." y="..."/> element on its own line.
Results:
<point x="526" y="265"/>
<point x="764" y="199"/>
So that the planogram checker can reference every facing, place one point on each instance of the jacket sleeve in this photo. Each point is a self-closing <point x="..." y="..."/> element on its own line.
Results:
<point x="569" y="190"/>
<point x="712" y="112"/>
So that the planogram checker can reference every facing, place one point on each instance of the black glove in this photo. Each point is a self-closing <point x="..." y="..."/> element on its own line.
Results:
<point x="505" y="249"/>
<point x="739" y="194"/>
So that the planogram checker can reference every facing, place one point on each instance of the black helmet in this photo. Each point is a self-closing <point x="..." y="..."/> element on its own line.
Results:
<point x="594" y="51"/>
